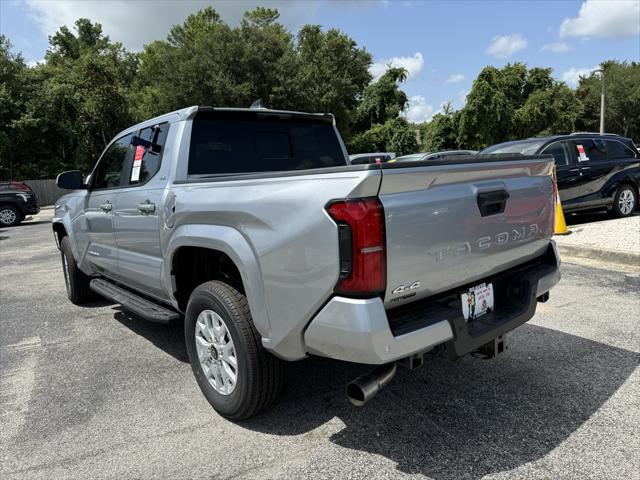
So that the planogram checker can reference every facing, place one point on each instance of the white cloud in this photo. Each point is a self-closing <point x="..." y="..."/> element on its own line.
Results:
<point x="614" y="18"/>
<point x="413" y="65"/>
<point x="557" y="47"/>
<point x="572" y="76"/>
<point x="419" y="110"/>
<point x="135" y="23"/>
<point x="455" y="78"/>
<point x="506" y="45"/>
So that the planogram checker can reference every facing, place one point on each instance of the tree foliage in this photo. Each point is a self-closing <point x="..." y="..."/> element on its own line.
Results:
<point x="60" y="113"/>
<point x="516" y="102"/>
<point x="622" y="96"/>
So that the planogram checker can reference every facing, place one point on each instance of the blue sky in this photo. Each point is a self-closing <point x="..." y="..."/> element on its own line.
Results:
<point x="444" y="44"/>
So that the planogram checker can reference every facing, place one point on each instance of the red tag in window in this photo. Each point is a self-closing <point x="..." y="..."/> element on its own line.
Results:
<point x="139" y="153"/>
<point x="582" y="156"/>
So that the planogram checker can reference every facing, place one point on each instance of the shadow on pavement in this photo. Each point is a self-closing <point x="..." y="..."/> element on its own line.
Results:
<point x="462" y="419"/>
<point x="34" y="222"/>
<point x="169" y="338"/>
<point x="580" y="218"/>
<point x="448" y="419"/>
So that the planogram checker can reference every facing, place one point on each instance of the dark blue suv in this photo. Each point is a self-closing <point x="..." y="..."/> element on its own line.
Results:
<point x="595" y="172"/>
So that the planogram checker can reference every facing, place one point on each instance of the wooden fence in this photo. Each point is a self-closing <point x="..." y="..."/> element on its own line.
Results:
<point x="46" y="190"/>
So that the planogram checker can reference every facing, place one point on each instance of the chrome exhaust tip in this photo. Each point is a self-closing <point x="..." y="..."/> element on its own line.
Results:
<point x="364" y="388"/>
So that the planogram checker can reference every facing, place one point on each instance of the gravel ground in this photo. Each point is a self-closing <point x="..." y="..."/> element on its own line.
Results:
<point x="91" y="392"/>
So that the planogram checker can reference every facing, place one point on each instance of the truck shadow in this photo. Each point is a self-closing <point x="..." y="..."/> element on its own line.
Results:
<point x="449" y="419"/>
<point x="169" y="338"/>
<point x="465" y="418"/>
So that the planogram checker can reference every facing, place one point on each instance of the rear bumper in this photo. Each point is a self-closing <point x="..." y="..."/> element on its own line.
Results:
<point x="360" y="330"/>
<point x="30" y="209"/>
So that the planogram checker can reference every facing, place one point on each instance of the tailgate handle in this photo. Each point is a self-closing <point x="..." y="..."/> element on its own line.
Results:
<point x="492" y="203"/>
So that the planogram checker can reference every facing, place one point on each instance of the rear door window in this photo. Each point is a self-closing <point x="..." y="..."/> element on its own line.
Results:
<point x="594" y="150"/>
<point x="616" y="149"/>
<point x="230" y="146"/>
<point x="108" y="172"/>
<point x="146" y="161"/>
<point x="559" y="152"/>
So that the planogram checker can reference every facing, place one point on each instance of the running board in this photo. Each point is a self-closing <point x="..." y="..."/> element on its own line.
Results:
<point x="134" y="303"/>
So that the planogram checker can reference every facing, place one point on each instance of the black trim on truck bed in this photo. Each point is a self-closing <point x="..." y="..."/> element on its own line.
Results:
<point x="460" y="159"/>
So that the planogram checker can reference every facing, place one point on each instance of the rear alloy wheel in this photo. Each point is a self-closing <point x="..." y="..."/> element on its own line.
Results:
<point x="237" y="375"/>
<point x="9" y="216"/>
<point x="625" y="201"/>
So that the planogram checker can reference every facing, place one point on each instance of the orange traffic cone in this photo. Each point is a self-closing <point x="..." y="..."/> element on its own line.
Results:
<point x="560" y="225"/>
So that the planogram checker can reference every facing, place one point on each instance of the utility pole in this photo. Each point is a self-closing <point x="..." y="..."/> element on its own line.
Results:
<point x="601" y="71"/>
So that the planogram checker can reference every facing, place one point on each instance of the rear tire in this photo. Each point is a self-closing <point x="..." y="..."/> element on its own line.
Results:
<point x="625" y="201"/>
<point x="10" y="216"/>
<point x="76" y="282"/>
<point x="219" y="333"/>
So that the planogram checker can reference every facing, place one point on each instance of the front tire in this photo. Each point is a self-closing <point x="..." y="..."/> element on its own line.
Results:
<point x="76" y="282"/>
<point x="625" y="201"/>
<point x="236" y="374"/>
<point x="10" y="216"/>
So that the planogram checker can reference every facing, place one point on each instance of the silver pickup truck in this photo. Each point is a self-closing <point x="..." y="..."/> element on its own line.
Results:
<point x="252" y="226"/>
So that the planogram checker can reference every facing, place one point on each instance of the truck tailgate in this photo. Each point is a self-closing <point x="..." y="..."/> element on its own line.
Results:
<point x="452" y="223"/>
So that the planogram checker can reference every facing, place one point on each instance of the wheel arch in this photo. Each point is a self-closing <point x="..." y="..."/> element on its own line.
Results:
<point x="225" y="252"/>
<point x="620" y="179"/>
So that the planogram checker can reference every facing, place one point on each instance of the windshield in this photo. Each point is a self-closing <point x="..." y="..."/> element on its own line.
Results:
<point x="525" y="148"/>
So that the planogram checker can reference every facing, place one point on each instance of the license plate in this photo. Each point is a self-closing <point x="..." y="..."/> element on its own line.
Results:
<point x="477" y="301"/>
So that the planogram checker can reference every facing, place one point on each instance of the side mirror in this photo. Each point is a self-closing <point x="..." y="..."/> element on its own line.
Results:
<point x="71" y="180"/>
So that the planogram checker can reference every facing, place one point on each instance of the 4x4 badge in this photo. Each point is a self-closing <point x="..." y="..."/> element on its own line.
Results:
<point x="405" y="288"/>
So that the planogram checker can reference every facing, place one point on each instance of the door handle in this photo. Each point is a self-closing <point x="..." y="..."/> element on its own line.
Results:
<point x="106" y="206"/>
<point x="574" y="170"/>
<point x="147" y="207"/>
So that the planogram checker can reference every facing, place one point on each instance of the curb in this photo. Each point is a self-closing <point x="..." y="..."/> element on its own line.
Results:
<point x="612" y="256"/>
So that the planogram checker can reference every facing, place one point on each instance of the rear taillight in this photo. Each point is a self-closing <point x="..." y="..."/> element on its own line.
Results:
<point x="361" y="243"/>
<point x="21" y="186"/>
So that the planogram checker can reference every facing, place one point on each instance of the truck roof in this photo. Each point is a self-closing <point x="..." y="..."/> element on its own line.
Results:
<point x="190" y="112"/>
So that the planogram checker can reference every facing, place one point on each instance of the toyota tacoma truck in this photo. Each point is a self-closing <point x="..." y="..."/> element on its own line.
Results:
<point x="252" y="226"/>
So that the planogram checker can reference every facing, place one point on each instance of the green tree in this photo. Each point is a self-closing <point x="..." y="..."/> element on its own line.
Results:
<point x="441" y="133"/>
<point x="515" y="102"/>
<point x="549" y="111"/>
<point x="383" y="100"/>
<point x="204" y="61"/>
<point x="622" y="108"/>
<point x="333" y="73"/>
<point x="12" y="86"/>
<point x="395" y="135"/>
<point x="74" y="103"/>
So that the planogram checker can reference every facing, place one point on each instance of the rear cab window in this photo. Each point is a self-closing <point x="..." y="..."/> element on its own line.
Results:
<point x="227" y="143"/>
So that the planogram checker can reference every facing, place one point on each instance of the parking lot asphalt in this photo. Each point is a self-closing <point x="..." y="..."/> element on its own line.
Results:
<point x="91" y="392"/>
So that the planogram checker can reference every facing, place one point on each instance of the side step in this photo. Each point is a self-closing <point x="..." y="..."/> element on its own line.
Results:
<point x="132" y="302"/>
